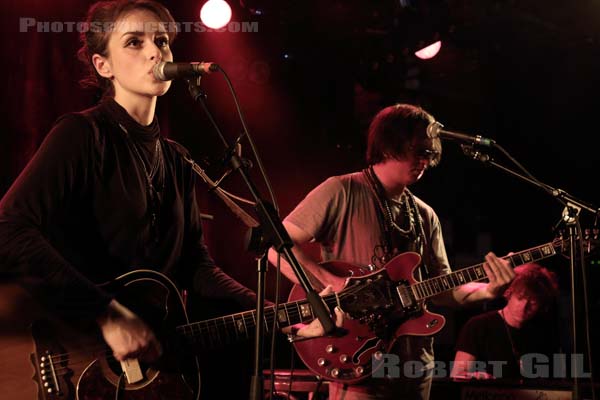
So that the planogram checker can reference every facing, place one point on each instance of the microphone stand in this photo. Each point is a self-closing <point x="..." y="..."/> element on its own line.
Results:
<point x="570" y="216"/>
<point x="276" y="236"/>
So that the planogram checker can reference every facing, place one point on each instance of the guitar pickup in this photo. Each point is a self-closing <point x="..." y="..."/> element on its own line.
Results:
<point x="406" y="298"/>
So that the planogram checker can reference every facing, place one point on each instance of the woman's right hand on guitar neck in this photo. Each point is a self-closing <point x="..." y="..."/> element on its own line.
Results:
<point x="127" y="335"/>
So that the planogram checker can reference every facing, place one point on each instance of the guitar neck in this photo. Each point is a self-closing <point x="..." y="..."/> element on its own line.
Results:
<point x="434" y="286"/>
<point x="236" y="327"/>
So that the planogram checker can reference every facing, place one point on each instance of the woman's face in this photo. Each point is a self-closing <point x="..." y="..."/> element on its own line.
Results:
<point x="136" y="45"/>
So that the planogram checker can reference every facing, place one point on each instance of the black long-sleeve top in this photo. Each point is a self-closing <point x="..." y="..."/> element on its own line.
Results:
<point x="79" y="214"/>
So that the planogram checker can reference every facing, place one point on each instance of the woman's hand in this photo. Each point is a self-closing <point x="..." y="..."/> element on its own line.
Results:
<point x="127" y="335"/>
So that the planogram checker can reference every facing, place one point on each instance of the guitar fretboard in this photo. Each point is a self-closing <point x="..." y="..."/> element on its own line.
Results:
<point x="236" y="327"/>
<point x="434" y="286"/>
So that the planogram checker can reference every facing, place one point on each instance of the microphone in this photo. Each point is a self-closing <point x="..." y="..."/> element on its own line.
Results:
<point x="435" y="130"/>
<point x="166" y="71"/>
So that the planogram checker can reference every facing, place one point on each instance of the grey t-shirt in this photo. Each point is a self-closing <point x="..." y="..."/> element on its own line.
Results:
<point x="341" y="215"/>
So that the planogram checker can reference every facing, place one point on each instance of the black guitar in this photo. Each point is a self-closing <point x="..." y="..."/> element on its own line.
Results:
<point x="46" y="359"/>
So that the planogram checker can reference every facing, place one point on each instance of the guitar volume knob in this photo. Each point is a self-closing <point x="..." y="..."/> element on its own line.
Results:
<point x="330" y="349"/>
<point x="432" y="323"/>
<point x="321" y="362"/>
<point x="344" y="358"/>
<point x="359" y="370"/>
<point x="335" y="372"/>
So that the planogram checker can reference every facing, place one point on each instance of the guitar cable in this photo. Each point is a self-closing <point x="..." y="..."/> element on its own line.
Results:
<point x="119" y="385"/>
<point x="274" y="329"/>
<point x="586" y="313"/>
<point x="273" y="343"/>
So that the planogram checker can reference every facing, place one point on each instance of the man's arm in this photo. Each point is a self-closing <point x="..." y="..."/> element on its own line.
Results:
<point x="318" y="276"/>
<point x="499" y="273"/>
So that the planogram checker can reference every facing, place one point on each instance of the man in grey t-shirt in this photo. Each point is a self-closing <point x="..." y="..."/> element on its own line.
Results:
<point x="368" y="217"/>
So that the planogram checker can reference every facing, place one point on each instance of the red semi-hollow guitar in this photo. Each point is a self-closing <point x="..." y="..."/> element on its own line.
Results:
<point x="384" y="305"/>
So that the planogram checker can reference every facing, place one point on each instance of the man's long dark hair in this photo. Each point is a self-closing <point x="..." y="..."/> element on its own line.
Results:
<point x="394" y="128"/>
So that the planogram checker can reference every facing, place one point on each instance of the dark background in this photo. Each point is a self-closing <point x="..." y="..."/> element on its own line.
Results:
<point x="312" y="76"/>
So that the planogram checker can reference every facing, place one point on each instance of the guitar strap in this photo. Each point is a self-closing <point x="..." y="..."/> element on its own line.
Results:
<point x="384" y="227"/>
<point x="422" y="243"/>
<point x="415" y="233"/>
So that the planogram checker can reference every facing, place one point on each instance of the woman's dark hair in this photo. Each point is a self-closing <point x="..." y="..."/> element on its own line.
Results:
<point x="393" y="129"/>
<point x="101" y="18"/>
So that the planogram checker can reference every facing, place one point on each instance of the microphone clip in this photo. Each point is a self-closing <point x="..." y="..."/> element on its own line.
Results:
<point x="474" y="153"/>
<point x="234" y="149"/>
<point x="233" y="156"/>
<point x="194" y="88"/>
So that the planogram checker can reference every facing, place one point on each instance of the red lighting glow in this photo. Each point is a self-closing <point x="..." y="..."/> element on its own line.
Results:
<point x="215" y="14"/>
<point x="430" y="51"/>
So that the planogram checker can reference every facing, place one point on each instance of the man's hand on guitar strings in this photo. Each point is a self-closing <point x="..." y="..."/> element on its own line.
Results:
<point x="500" y="274"/>
<point x="315" y="329"/>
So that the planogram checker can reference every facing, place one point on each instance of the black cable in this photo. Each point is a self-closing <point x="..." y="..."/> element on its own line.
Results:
<point x="274" y="328"/>
<point x="556" y="193"/>
<point x="518" y="164"/>
<point x="119" y="385"/>
<point x="544" y="186"/>
<point x="292" y="367"/>
<point x="318" y="389"/>
<point x="251" y="141"/>
<point x="269" y="188"/>
<point x="586" y="307"/>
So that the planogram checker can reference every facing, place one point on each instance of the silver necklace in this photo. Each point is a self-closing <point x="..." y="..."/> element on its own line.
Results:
<point x="152" y="193"/>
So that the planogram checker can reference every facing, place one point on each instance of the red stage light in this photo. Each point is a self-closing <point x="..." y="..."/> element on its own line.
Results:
<point x="215" y="14"/>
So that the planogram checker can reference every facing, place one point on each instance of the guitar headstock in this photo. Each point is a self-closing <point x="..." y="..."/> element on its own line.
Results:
<point x="589" y="241"/>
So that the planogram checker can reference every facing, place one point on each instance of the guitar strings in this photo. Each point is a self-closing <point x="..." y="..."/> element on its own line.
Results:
<point x="292" y="312"/>
<point x="203" y="326"/>
<point x="61" y="358"/>
<point x="66" y="369"/>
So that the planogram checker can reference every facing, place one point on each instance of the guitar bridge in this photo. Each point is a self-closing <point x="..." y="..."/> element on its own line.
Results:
<point x="47" y="374"/>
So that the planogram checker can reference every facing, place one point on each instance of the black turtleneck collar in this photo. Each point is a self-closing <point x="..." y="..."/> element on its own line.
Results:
<point x="137" y="131"/>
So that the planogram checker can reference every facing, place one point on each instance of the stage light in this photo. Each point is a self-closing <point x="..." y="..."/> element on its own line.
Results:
<point x="429" y="51"/>
<point x="215" y="14"/>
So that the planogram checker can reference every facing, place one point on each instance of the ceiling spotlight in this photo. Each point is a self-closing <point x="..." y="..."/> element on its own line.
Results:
<point x="215" y="14"/>
<point x="429" y="51"/>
